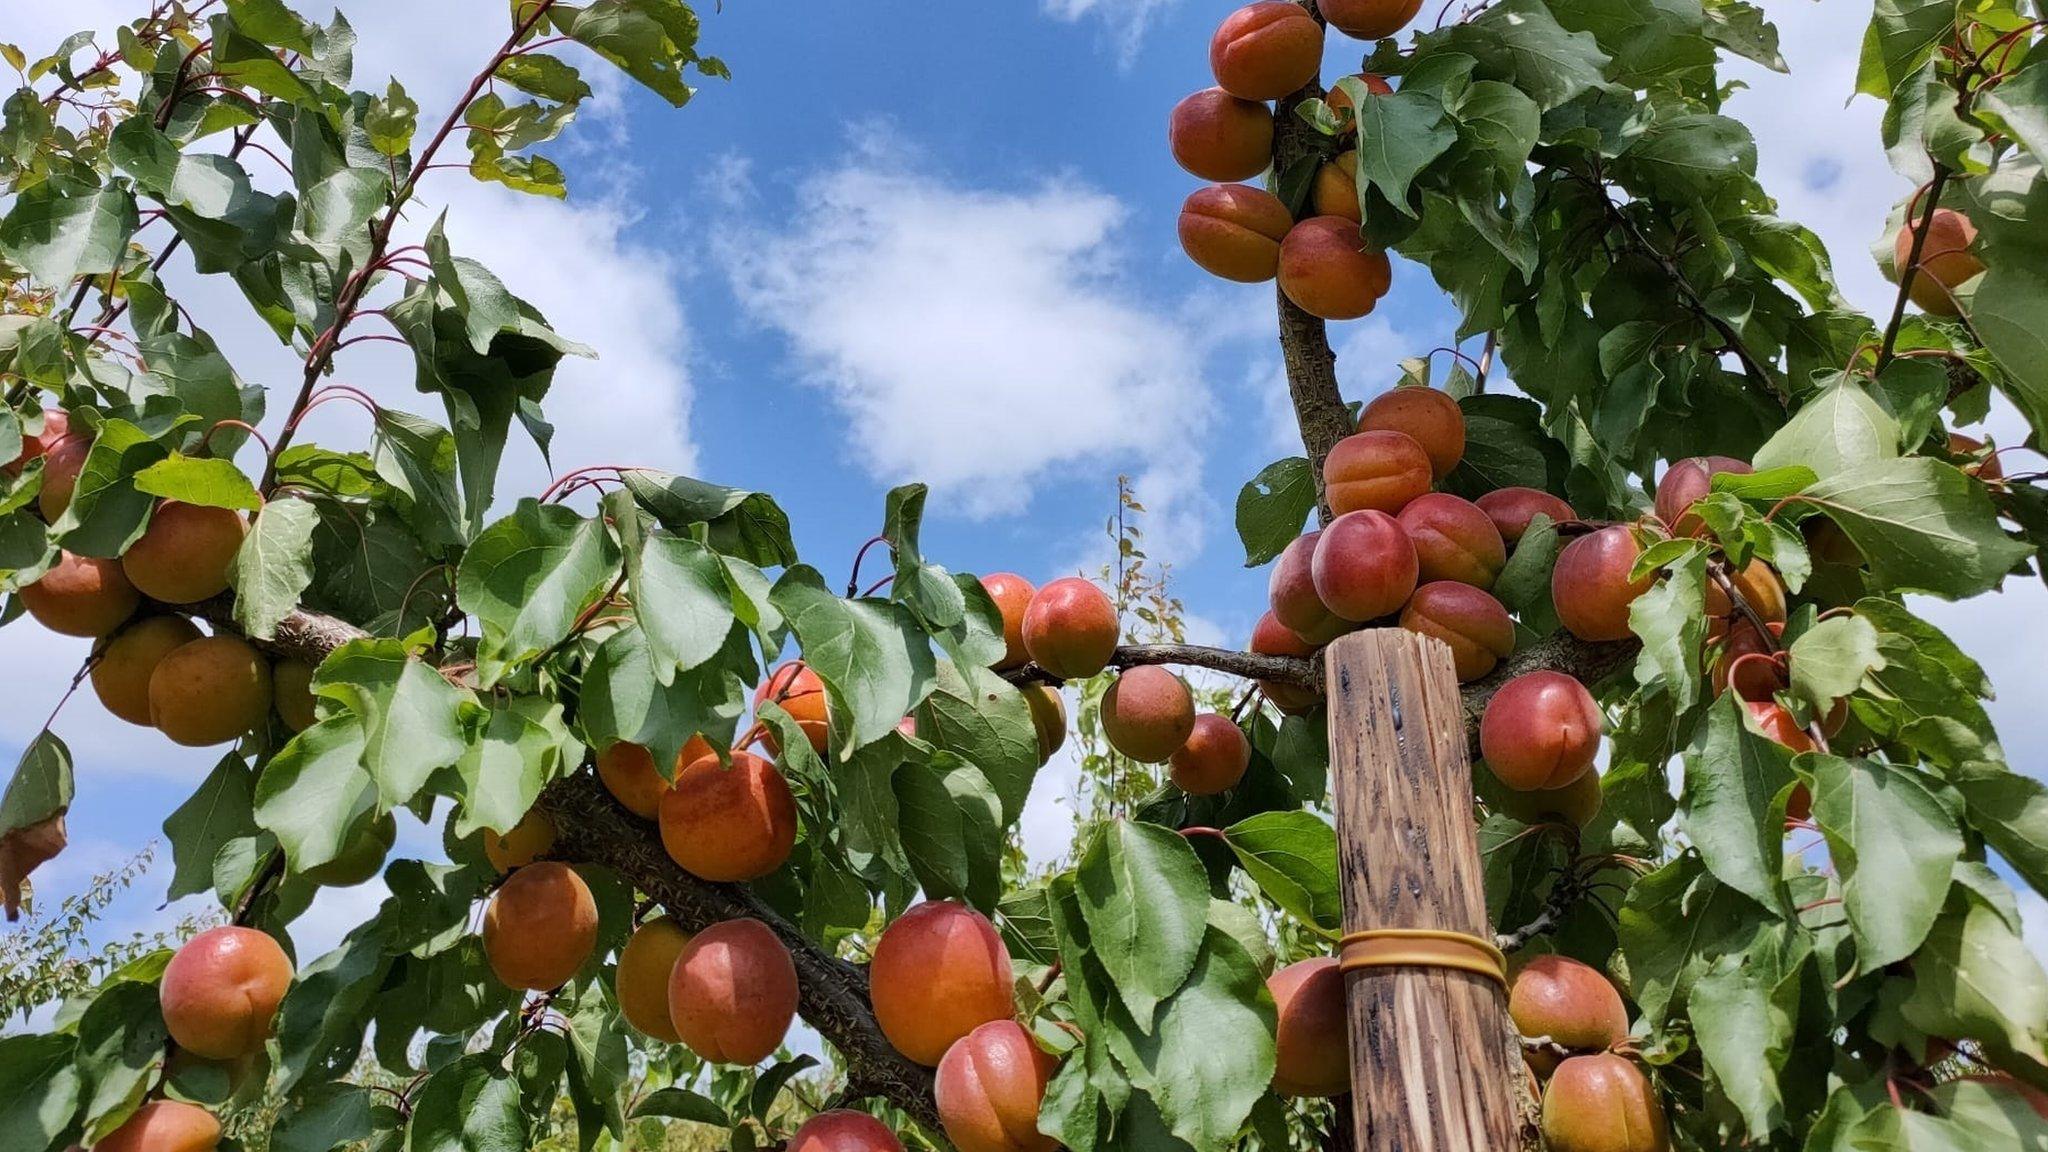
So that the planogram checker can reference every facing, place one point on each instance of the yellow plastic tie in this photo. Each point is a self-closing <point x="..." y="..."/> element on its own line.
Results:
<point x="1423" y="948"/>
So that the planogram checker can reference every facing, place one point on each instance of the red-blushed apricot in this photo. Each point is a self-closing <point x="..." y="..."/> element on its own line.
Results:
<point x="1334" y="192"/>
<point x="1430" y="417"/>
<point x="736" y="823"/>
<point x="1339" y="101"/>
<point x="1975" y="461"/>
<point x="1602" y="1103"/>
<point x="844" y="1130"/>
<point x="732" y="992"/>
<point x="1272" y="638"/>
<point x="628" y="773"/>
<point x="1148" y="713"/>
<point x="642" y="977"/>
<point x="1219" y="137"/>
<point x="1945" y="260"/>
<point x="1745" y="659"/>
<point x="1312" y="1048"/>
<point x="1569" y="1002"/>
<point x="1380" y="470"/>
<point x="1291" y="594"/>
<point x="120" y="678"/>
<point x="540" y="926"/>
<point x="1364" y="566"/>
<point x="360" y="858"/>
<point x="1071" y="628"/>
<point x="1686" y="483"/>
<point x="1234" y="230"/>
<point x="1541" y="730"/>
<point x="1511" y="510"/>
<point x="1012" y="594"/>
<point x="1453" y="540"/>
<point x="1214" y="758"/>
<point x="184" y="555"/>
<point x="1576" y="803"/>
<point x="81" y="596"/>
<point x="989" y="1089"/>
<point x="796" y="689"/>
<point x="1048" y="717"/>
<point x="291" y="693"/>
<point x="1471" y="621"/>
<point x="214" y="690"/>
<point x="1369" y="19"/>
<point x="63" y="460"/>
<point x="1775" y="722"/>
<point x="1799" y="805"/>
<point x="1590" y="586"/>
<point x="1264" y="51"/>
<point x="940" y="972"/>
<point x="1329" y="270"/>
<point x="529" y="840"/>
<point x="1759" y="586"/>
<point x="221" y="990"/>
<point x="164" y="1126"/>
<point x="56" y="425"/>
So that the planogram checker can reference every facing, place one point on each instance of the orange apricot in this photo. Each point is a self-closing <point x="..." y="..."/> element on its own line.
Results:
<point x="1369" y="19"/>
<point x="164" y="1126"/>
<point x="732" y="992"/>
<point x="1381" y="469"/>
<point x="628" y="773"/>
<point x="1329" y="270"/>
<point x="940" y="971"/>
<point x="1334" y="192"/>
<point x="1265" y="50"/>
<point x="1776" y="723"/>
<point x="844" y="1130"/>
<point x="221" y="990"/>
<point x="1575" y="803"/>
<point x="1511" y="510"/>
<point x="1291" y="593"/>
<point x="540" y="926"/>
<point x="1339" y="101"/>
<point x="736" y="823"/>
<point x="641" y="981"/>
<point x="56" y="425"/>
<point x="1479" y="631"/>
<point x="291" y="692"/>
<point x="1219" y="137"/>
<point x="1071" y="628"/>
<point x="1012" y="594"/>
<point x="1234" y="230"/>
<point x="990" y="1086"/>
<point x="1946" y="261"/>
<point x="1048" y="717"/>
<point x="1541" y="730"/>
<point x="1312" y="1053"/>
<point x="529" y="840"/>
<point x="1453" y="540"/>
<point x="210" y="691"/>
<point x="796" y="690"/>
<point x="81" y="596"/>
<point x="1976" y="462"/>
<point x="1431" y="417"/>
<point x="1745" y="661"/>
<point x="1758" y="584"/>
<point x="1272" y="638"/>
<point x="63" y="461"/>
<point x="1213" y="759"/>
<point x="1685" y="484"/>
<point x="185" y="554"/>
<point x="1148" y="713"/>
<point x="120" y="678"/>
<point x="1569" y="1002"/>
<point x="1590" y="586"/>
<point x="1602" y="1103"/>
<point x="1364" y="565"/>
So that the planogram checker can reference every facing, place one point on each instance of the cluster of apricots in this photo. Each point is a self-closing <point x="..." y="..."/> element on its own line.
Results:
<point x="1266" y="51"/>
<point x="1588" y="1087"/>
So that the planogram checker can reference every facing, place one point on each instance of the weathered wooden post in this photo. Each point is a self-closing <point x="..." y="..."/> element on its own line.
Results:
<point x="1434" y="1063"/>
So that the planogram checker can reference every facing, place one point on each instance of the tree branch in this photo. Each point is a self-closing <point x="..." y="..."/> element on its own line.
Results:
<point x="1585" y="660"/>
<point x="1912" y="268"/>
<point x="1295" y="670"/>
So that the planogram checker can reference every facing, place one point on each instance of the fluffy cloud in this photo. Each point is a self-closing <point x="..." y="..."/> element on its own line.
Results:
<point x="1125" y="23"/>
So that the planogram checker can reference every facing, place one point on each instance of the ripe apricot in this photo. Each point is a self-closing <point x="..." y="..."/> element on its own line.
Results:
<point x="1272" y="638"/>
<point x="1219" y="137"/>
<point x="1758" y="584"/>
<point x="359" y="859"/>
<point x="1048" y="717"/>
<point x="1569" y="1002"/>
<point x="1431" y="417"/>
<point x="1471" y="621"/>
<point x="540" y="926"/>
<point x="1264" y="51"/>
<point x="211" y="691"/>
<point x="736" y="823"/>
<point x="1541" y="730"/>
<point x="642" y="977"/>
<point x="628" y="773"/>
<point x="1148" y="713"/>
<point x="164" y="1126"/>
<point x="1234" y="230"/>
<point x="940" y="971"/>
<point x="1602" y="1103"/>
<point x="529" y="840"/>
<point x="732" y="992"/>
<point x="1329" y="270"/>
<point x="1744" y="661"/>
<point x="1334" y="192"/>
<point x="1971" y="449"/>
<point x="120" y="678"/>
<point x="1339" y="101"/>
<point x="1071" y="628"/>
<point x="1213" y="759"/>
<point x="1012" y="594"/>
<point x="56" y="425"/>
<point x="990" y="1086"/>
<point x="1364" y="565"/>
<point x="1453" y="540"/>
<point x="221" y="990"/>
<point x="291" y="692"/>
<point x="184" y="555"/>
<point x="63" y="460"/>
<point x="1511" y="510"/>
<point x="1291" y="593"/>
<point x="1775" y="722"/>
<point x="1382" y="470"/>
<point x="1590" y="586"/>
<point x="844" y="1130"/>
<point x="1946" y="261"/>
<point x="1576" y="803"/>
<point x="81" y="596"/>
<point x="1369" y="19"/>
<point x="798" y="691"/>
<point x="1312" y="1053"/>
<point x="1685" y="483"/>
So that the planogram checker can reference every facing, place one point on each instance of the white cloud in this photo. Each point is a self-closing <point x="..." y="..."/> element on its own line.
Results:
<point x="1124" y="21"/>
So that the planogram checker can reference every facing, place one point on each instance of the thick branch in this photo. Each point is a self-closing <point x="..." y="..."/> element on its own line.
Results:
<point x="1294" y="670"/>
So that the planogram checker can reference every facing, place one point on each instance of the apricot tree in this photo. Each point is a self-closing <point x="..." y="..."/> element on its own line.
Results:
<point x="1740" y="805"/>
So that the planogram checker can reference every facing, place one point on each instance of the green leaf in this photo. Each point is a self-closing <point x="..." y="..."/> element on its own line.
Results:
<point x="1398" y="136"/>
<point x="274" y="566"/>
<point x="107" y="513"/>
<point x="746" y="524"/>
<point x="1895" y="847"/>
<point x="1674" y="923"/>
<point x="39" y="1087"/>
<point x="418" y="459"/>
<point x="1292" y="857"/>
<point x="60" y="233"/>
<point x="623" y="700"/>
<point x="199" y="480"/>
<point x="2005" y="312"/>
<point x="1146" y="901"/>
<point x="549" y="77"/>
<point x="952" y="829"/>
<point x="1901" y="36"/>
<point x="680" y="597"/>
<point x="1975" y="978"/>
<point x="650" y="40"/>
<point x="875" y="661"/>
<point x="2010" y="810"/>
<point x="1520" y="42"/>
<point x="41" y="786"/>
<point x="1732" y="777"/>
<point x="510" y="758"/>
<point x="927" y="588"/>
<point x="391" y="120"/>
<point x="985" y="720"/>
<point x="479" y="296"/>
<point x="1830" y="659"/>
<point x="1922" y="524"/>
<point x="410" y="714"/>
<point x="527" y="578"/>
<point x="326" y="1117"/>
<point x="1500" y="123"/>
<point x="1838" y="430"/>
<point x="220" y="811"/>
<point x="121" y="1046"/>
<point x="682" y="1104"/>
<point x="471" y="1105"/>
<point x="1671" y="619"/>
<point x="314" y="790"/>
<point x="1745" y="1010"/>
<point x="1273" y="506"/>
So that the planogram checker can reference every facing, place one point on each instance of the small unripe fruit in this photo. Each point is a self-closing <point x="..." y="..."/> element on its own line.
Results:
<point x="1380" y="470"/>
<point x="63" y="460"/>
<point x="1369" y="19"/>
<point x="1946" y="261"/>
<point x="291" y="693"/>
<point x="1478" y="630"/>
<point x="1148" y="713"/>
<point x="1234" y="230"/>
<point x="56" y="425"/>
<point x="1453" y="540"/>
<point x="1329" y="270"/>
<point x="1071" y="628"/>
<point x="1214" y="758"/>
<point x="641" y="982"/>
<point x="1364" y="566"/>
<point x="1511" y="510"/>
<point x="990" y="1087"/>
<point x="1012" y="594"/>
<point x="529" y="840"/>
<point x="1272" y="638"/>
<point x="1291" y="593"/>
<point x="1576" y="803"/>
<point x="163" y="1126"/>
<point x="1569" y="1002"/>
<point x="1602" y="1103"/>
<point x="1312" y="1048"/>
<point x="1266" y="50"/>
<point x="1685" y="484"/>
<point x="1590" y="586"/>
<point x="1048" y="717"/>
<point x="796" y="689"/>
<point x="540" y="926"/>
<point x="1339" y="102"/>
<point x="81" y="596"/>
<point x="1334" y="192"/>
<point x="736" y="823"/>
<point x="1219" y="137"/>
<point x="211" y="691"/>
<point x="940" y="971"/>
<point x="844" y="1130"/>
<point x="1541" y="730"/>
<point x="185" y="554"/>
<point x="732" y="992"/>
<point x="120" y="678"/>
<point x="1430" y="417"/>
<point x="628" y="773"/>
<point x="221" y="990"/>
<point x="359" y="859"/>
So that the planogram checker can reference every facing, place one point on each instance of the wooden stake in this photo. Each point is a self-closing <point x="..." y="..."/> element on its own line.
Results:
<point x="1435" y="1065"/>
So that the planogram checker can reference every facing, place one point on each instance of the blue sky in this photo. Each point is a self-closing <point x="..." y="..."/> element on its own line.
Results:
<point x="897" y="246"/>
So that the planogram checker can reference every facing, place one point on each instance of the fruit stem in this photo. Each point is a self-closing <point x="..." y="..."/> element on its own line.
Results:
<point x="853" y="580"/>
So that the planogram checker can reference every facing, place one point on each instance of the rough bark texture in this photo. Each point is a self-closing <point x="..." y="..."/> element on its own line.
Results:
<point x="1250" y="665"/>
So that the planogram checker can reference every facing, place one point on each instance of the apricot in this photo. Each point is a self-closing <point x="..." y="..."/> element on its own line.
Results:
<point x="1602" y="1103"/>
<point x="1758" y="584"/>
<point x="211" y="691"/>
<point x="1471" y="621"/>
<point x="221" y="990"/>
<point x="798" y="691"/>
<point x="1213" y="759"/>
<point x="56" y="425"/>
<point x="1511" y="510"/>
<point x="1775" y="722"/>
<point x="1234" y="230"/>
<point x="1369" y="19"/>
<point x="1381" y="469"/>
<point x="1946" y="261"/>
<point x="642" y="977"/>
<point x="1364" y="565"/>
<point x="1272" y="638"/>
<point x="529" y="840"/>
<point x="1071" y="628"/>
<point x="1970" y="448"/>
<point x="540" y="926"/>
<point x="1339" y="102"/>
<point x="844" y="1130"/>
<point x="1264" y="51"/>
<point x="1329" y="271"/>
<point x="940" y="971"/>
<point x="1291" y="594"/>
<point x="1576" y="803"/>
<point x="1799" y="805"/>
<point x="1431" y="417"/>
<point x="185" y="554"/>
<point x="1147" y="714"/>
<point x="291" y="692"/>
<point x="120" y="678"/>
<point x="1590" y="586"/>
<point x="1048" y="717"/>
<point x="1311" y="1049"/>
<point x="1334" y="191"/>
<point x="1569" y="1002"/>
<point x="1743" y="660"/>
<point x="1829" y="544"/>
<point x="628" y="773"/>
<point x="1685" y="483"/>
<point x="63" y="461"/>
<point x="164" y="1126"/>
<point x="736" y="823"/>
<point x="1012" y="594"/>
<point x="732" y="992"/>
<point x="1453" y="540"/>
<point x="81" y="596"/>
<point x="359" y="859"/>
<point x="990" y="1085"/>
<point x="1541" y="730"/>
<point x="1219" y="137"/>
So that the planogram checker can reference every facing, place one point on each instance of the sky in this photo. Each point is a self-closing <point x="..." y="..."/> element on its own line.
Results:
<point x="895" y="249"/>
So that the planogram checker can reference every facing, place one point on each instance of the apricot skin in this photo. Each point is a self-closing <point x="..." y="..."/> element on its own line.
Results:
<point x="221" y="990"/>
<point x="1264" y="51"/>
<point x="1364" y="566"/>
<point x="1945" y="260"/>
<point x="1776" y="723"/>
<point x="1312" y="1049"/>
<point x="164" y="1126"/>
<point x="844" y="1130"/>
<point x="56" y="425"/>
<point x="628" y="773"/>
<point x="1272" y="638"/>
<point x="291" y="693"/>
<point x="1291" y="594"/>
<point x="1213" y="759"/>
<point x="1741" y="662"/>
<point x="1340" y="104"/>
<point x="127" y="658"/>
<point x="1969" y="449"/>
<point x="1048" y="717"/>
<point x="1453" y="540"/>
<point x="1511" y="509"/>
<point x="1479" y="631"/>
<point x="641" y="981"/>
<point x="796" y="689"/>
<point x="990" y="1086"/>
<point x="211" y="691"/>
<point x="1369" y="19"/>
<point x="186" y="552"/>
<point x="1576" y="803"/>
<point x="540" y="926"/>
<point x="1570" y="1002"/>
<point x="1334" y="192"/>
<point x="1234" y="230"/>
<point x="81" y="596"/>
<point x="732" y="992"/>
<point x="1540" y="731"/>
<point x="1381" y="470"/>
<point x="1071" y="628"/>
<point x="1219" y="137"/>
<point x="361" y="858"/>
<point x="62" y="462"/>
<point x="940" y="971"/>
<point x="736" y="823"/>
<point x="1760" y="588"/>
<point x="1431" y="417"/>
<point x="1329" y="271"/>
<point x="529" y="840"/>
<point x="1147" y="714"/>
<point x="1012" y="594"/>
<point x="1602" y="1103"/>
<point x="1590" y="587"/>
<point x="1685" y="483"/>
